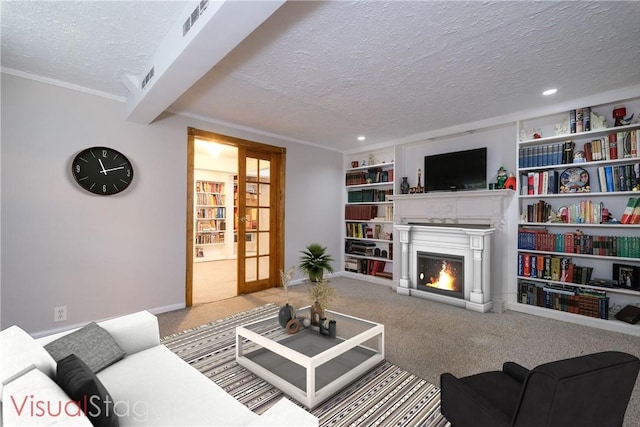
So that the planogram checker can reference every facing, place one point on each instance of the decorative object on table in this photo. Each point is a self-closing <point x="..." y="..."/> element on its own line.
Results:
<point x="287" y="312"/>
<point x="574" y="180"/>
<point x="328" y="328"/>
<point x="293" y="326"/>
<point x="626" y="276"/>
<point x="321" y="294"/>
<point x="501" y="178"/>
<point x="404" y="185"/>
<point x="102" y="170"/>
<point x="314" y="261"/>
<point x="354" y="164"/>
<point x="372" y="160"/>
<point x="419" y="186"/>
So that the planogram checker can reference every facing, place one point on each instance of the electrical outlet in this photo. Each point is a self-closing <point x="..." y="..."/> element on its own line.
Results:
<point x="60" y="313"/>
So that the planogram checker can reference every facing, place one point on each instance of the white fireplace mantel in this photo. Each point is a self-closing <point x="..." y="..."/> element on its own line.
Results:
<point x="486" y="207"/>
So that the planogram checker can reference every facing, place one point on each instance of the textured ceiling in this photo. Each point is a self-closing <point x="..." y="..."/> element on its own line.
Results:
<point x="325" y="72"/>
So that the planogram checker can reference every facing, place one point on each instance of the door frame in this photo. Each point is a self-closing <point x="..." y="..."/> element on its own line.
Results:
<point x="277" y="211"/>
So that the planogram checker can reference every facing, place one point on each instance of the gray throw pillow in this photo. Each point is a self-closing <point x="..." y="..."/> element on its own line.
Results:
<point x="93" y="344"/>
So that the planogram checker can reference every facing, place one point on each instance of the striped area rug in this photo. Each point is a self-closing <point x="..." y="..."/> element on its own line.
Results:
<point x="385" y="396"/>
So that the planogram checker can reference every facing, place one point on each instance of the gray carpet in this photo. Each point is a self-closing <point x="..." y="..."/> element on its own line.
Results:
<point x="427" y="338"/>
<point x="386" y="395"/>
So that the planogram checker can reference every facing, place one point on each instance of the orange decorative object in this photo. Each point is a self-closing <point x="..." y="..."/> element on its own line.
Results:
<point x="510" y="183"/>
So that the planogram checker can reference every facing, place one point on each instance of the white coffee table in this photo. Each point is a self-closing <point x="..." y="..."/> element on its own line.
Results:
<point x="308" y="366"/>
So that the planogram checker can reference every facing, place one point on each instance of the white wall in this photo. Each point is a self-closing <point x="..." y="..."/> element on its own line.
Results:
<point x="106" y="256"/>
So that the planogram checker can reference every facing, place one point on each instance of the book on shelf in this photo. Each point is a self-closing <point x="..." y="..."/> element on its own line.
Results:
<point x="629" y="210"/>
<point x="571" y="299"/>
<point x="360" y="212"/>
<point x="579" y="243"/>
<point x="635" y="217"/>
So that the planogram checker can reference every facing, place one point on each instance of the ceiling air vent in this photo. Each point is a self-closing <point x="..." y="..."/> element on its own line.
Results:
<point x="191" y="19"/>
<point x="148" y="77"/>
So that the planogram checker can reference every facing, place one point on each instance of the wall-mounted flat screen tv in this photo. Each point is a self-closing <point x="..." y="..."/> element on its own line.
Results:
<point x="456" y="171"/>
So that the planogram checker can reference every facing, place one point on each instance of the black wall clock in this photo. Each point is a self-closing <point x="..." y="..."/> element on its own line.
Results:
<point x="102" y="170"/>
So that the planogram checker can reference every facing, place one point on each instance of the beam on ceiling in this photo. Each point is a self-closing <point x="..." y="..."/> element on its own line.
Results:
<point x="215" y="29"/>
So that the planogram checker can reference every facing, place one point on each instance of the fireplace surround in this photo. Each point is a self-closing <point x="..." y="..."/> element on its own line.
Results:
<point x="460" y="225"/>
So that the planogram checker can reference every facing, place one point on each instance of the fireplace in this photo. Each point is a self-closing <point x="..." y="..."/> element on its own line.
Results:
<point x="458" y="226"/>
<point x="440" y="273"/>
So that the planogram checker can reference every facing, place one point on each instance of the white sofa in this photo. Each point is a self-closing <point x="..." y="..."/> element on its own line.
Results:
<point x="149" y="386"/>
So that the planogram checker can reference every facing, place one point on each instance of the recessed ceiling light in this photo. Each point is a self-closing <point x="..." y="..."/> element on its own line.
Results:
<point x="361" y="138"/>
<point x="549" y="92"/>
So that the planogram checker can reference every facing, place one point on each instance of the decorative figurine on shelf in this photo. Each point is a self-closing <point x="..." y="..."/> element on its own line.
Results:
<point x="510" y="183"/>
<point x="619" y="111"/>
<point x="418" y="188"/>
<point x="501" y="178"/>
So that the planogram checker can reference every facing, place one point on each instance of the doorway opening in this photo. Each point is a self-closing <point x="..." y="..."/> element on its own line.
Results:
<point x="235" y="216"/>
<point x="215" y="260"/>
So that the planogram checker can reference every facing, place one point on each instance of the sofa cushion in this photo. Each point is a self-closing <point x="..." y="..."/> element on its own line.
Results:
<point x="19" y="353"/>
<point x="181" y="396"/>
<point x="91" y="343"/>
<point x="35" y="400"/>
<point x="82" y="385"/>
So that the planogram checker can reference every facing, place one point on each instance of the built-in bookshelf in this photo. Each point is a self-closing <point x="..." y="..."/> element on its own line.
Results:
<point x="578" y="240"/>
<point x="211" y="240"/>
<point x="368" y="215"/>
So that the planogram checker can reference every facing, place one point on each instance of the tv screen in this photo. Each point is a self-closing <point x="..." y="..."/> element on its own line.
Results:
<point x="460" y="170"/>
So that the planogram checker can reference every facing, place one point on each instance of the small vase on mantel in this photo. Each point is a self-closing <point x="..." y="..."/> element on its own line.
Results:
<point x="404" y="185"/>
<point x="285" y="314"/>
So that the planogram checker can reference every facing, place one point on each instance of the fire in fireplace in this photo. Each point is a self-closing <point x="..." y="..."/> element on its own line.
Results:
<point x="441" y="274"/>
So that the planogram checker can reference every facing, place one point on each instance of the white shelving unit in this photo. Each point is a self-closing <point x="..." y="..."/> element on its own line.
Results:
<point x="562" y="218"/>
<point x="368" y="231"/>
<point x="212" y="232"/>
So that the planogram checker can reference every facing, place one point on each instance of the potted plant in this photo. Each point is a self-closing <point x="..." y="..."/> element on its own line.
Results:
<point x="314" y="261"/>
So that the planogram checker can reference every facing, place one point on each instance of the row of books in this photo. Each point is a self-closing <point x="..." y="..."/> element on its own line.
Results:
<point x="631" y="214"/>
<point x="571" y="299"/>
<point x="209" y="199"/>
<point x="210" y="226"/>
<point x="368" y="195"/>
<point x="370" y="176"/>
<point x="579" y="243"/>
<point x="580" y="120"/>
<point x="541" y="182"/>
<point x="214" y="213"/>
<point x="546" y="155"/>
<point x="618" y="178"/>
<point x="617" y="145"/>
<point x="367" y="266"/>
<point x="368" y="249"/>
<point x="360" y="212"/>
<point x="208" y="239"/>
<point x="360" y="230"/>
<point x="583" y="212"/>
<point x="558" y="269"/>
<point x="209" y="187"/>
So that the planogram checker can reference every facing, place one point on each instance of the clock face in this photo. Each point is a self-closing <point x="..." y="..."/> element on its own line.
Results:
<point x="101" y="170"/>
